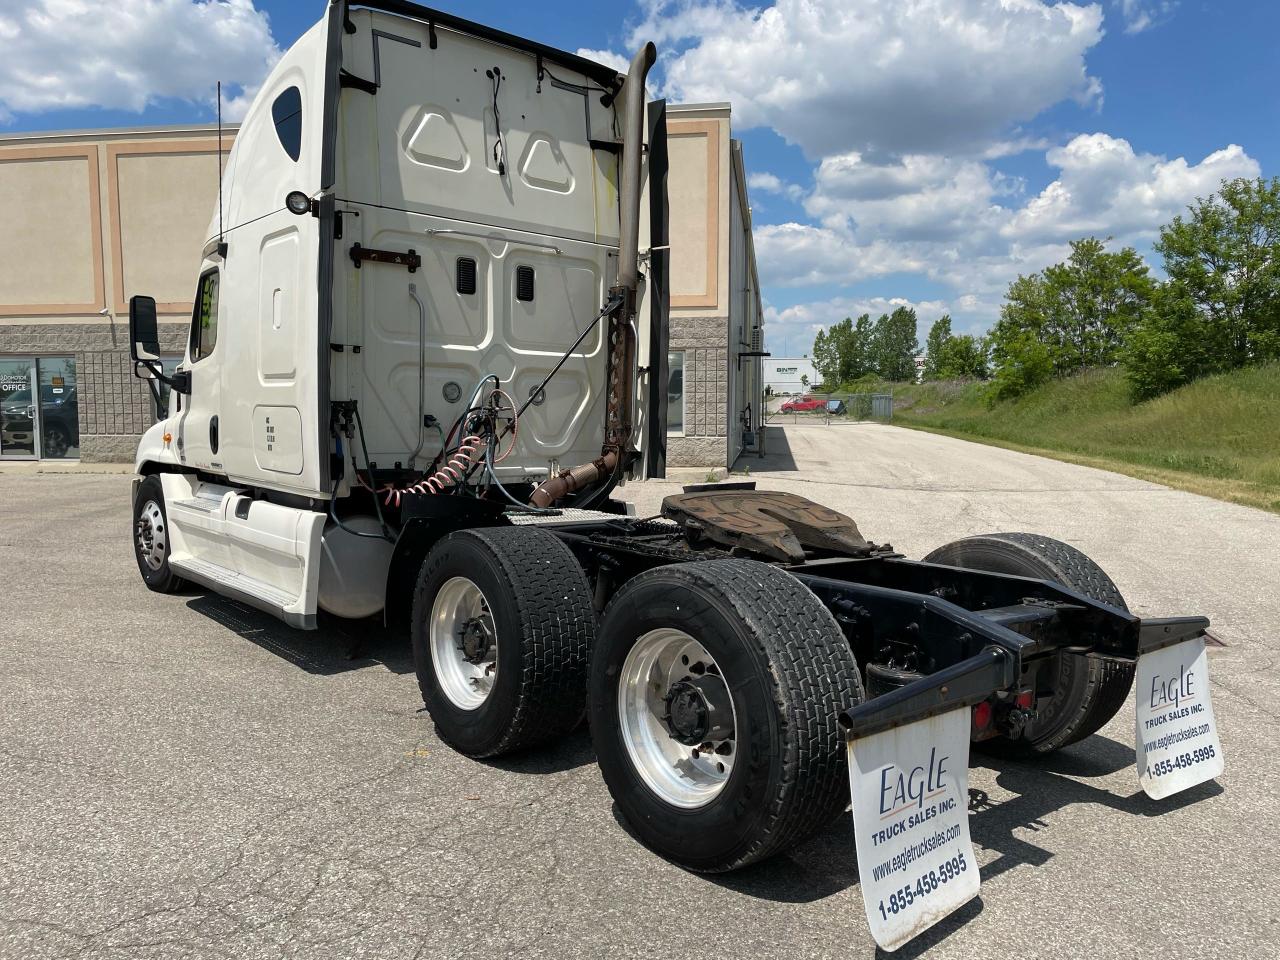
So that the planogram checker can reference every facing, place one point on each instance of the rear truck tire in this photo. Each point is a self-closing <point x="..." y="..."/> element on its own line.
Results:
<point x="151" y="544"/>
<point x="502" y="626"/>
<point x="1090" y="691"/>
<point x="713" y="696"/>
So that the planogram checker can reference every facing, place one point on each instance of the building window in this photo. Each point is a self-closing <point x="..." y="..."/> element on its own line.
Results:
<point x="675" y="392"/>
<point x="286" y="111"/>
<point x="204" y="330"/>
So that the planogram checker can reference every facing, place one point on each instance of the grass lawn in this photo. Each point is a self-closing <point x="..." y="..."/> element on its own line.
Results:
<point x="1219" y="436"/>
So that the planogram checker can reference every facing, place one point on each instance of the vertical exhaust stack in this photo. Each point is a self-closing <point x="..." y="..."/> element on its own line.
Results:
<point x="620" y="384"/>
<point x="630" y="188"/>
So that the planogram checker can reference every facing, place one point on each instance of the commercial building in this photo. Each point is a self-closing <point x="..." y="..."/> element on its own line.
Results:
<point x="97" y="216"/>
<point x="790" y="374"/>
<point x="91" y="218"/>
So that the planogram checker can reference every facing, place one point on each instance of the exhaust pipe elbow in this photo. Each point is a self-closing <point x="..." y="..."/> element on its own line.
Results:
<point x="549" y="491"/>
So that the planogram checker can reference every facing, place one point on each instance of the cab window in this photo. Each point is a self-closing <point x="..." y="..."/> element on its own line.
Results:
<point x="204" y="320"/>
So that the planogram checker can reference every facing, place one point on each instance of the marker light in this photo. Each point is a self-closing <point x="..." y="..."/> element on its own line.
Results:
<point x="982" y="715"/>
<point x="297" y="202"/>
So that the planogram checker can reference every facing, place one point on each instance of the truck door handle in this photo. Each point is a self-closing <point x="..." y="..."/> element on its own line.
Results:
<point x="213" y="433"/>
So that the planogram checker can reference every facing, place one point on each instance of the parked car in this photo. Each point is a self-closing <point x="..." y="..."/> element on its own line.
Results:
<point x="835" y="407"/>
<point x="803" y="405"/>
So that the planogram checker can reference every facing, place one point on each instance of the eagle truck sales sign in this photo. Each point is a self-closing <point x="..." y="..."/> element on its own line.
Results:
<point x="1177" y="737"/>
<point x="911" y="825"/>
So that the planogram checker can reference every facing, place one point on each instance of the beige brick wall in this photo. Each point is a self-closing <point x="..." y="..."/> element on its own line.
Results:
<point x="703" y="341"/>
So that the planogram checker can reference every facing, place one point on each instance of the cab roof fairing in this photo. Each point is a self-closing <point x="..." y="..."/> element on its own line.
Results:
<point x="258" y="171"/>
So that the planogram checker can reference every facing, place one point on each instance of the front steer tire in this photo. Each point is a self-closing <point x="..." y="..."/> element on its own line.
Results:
<point x="1089" y="690"/>
<point x="540" y="608"/>
<point x="789" y="669"/>
<point x="151" y="539"/>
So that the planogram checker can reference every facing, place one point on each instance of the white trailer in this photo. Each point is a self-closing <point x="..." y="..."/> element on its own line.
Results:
<point x="429" y="340"/>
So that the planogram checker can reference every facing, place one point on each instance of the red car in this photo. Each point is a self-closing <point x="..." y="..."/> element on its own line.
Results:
<point x="803" y="405"/>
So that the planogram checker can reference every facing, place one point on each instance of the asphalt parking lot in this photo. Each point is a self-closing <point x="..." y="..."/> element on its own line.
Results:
<point x="184" y="777"/>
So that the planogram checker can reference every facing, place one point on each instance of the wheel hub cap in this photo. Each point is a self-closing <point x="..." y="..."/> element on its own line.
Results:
<point x="699" y="710"/>
<point x="464" y="643"/>
<point x="677" y="718"/>
<point x="476" y="641"/>
<point x="149" y="535"/>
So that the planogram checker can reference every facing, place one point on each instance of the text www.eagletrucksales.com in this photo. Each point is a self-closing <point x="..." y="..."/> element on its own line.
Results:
<point x="904" y="857"/>
<point x="1177" y="736"/>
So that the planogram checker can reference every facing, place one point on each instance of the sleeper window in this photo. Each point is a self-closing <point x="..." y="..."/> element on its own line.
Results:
<point x="286" y="111"/>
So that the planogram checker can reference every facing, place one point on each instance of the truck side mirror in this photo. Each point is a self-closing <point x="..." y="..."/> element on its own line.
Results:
<point x="144" y="338"/>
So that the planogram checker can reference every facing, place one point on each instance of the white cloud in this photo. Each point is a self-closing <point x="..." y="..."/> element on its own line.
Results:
<point x="126" y="54"/>
<point x="800" y="254"/>
<point x="911" y="76"/>
<point x="610" y="59"/>
<point x="915" y="197"/>
<point x="1141" y="15"/>
<point x="1105" y="188"/>
<point x="771" y="183"/>
<point x="960" y="224"/>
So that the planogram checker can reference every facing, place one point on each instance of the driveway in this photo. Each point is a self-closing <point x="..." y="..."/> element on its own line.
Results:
<point x="181" y="776"/>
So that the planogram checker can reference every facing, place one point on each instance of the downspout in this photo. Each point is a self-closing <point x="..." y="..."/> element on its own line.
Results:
<point x="619" y="382"/>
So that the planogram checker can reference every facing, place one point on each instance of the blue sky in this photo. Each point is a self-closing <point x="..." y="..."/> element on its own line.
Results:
<point x="919" y="151"/>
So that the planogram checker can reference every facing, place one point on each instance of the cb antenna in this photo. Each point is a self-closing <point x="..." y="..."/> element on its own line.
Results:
<point x="221" y="236"/>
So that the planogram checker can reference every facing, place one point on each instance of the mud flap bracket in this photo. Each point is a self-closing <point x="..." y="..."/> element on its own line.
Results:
<point x="959" y="685"/>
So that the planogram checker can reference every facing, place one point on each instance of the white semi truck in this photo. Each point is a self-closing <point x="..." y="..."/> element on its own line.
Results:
<point x="429" y="341"/>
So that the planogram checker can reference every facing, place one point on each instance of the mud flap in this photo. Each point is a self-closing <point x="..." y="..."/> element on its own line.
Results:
<point x="1177" y="738"/>
<point x="910" y="788"/>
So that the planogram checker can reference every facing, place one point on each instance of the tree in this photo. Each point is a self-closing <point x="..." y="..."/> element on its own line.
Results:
<point x="1221" y="308"/>
<point x="804" y="380"/>
<point x="935" y="345"/>
<point x="1168" y="347"/>
<point x="1094" y="299"/>
<point x="826" y="357"/>
<point x="964" y="358"/>
<point x="1072" y="315"/>
<point x="1021" y="362"/>
<point x="858" y="347"/>
<point x="840" y="353"/>
<point x="949" y="357"/>
<point x="894" y="346"/>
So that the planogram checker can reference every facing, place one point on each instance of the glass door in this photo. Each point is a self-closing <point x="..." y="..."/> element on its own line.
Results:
<point x="18" y="437"/>
<point x="59" y="408"/>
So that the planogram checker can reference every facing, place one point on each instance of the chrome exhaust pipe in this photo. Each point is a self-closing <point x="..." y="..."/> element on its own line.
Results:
<point x="629" y="187"/>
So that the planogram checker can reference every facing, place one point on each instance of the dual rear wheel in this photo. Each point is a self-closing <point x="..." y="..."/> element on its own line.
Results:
<point x="711" y="687"/>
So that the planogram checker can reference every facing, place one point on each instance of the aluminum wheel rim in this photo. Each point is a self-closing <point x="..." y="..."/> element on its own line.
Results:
<point x="681" y="775"/>
<point x="150" y="535"/>
<point x="460" y="606"/>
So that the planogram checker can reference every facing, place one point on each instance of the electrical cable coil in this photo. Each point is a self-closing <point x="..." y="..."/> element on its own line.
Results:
<point x="456" y="467"/>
